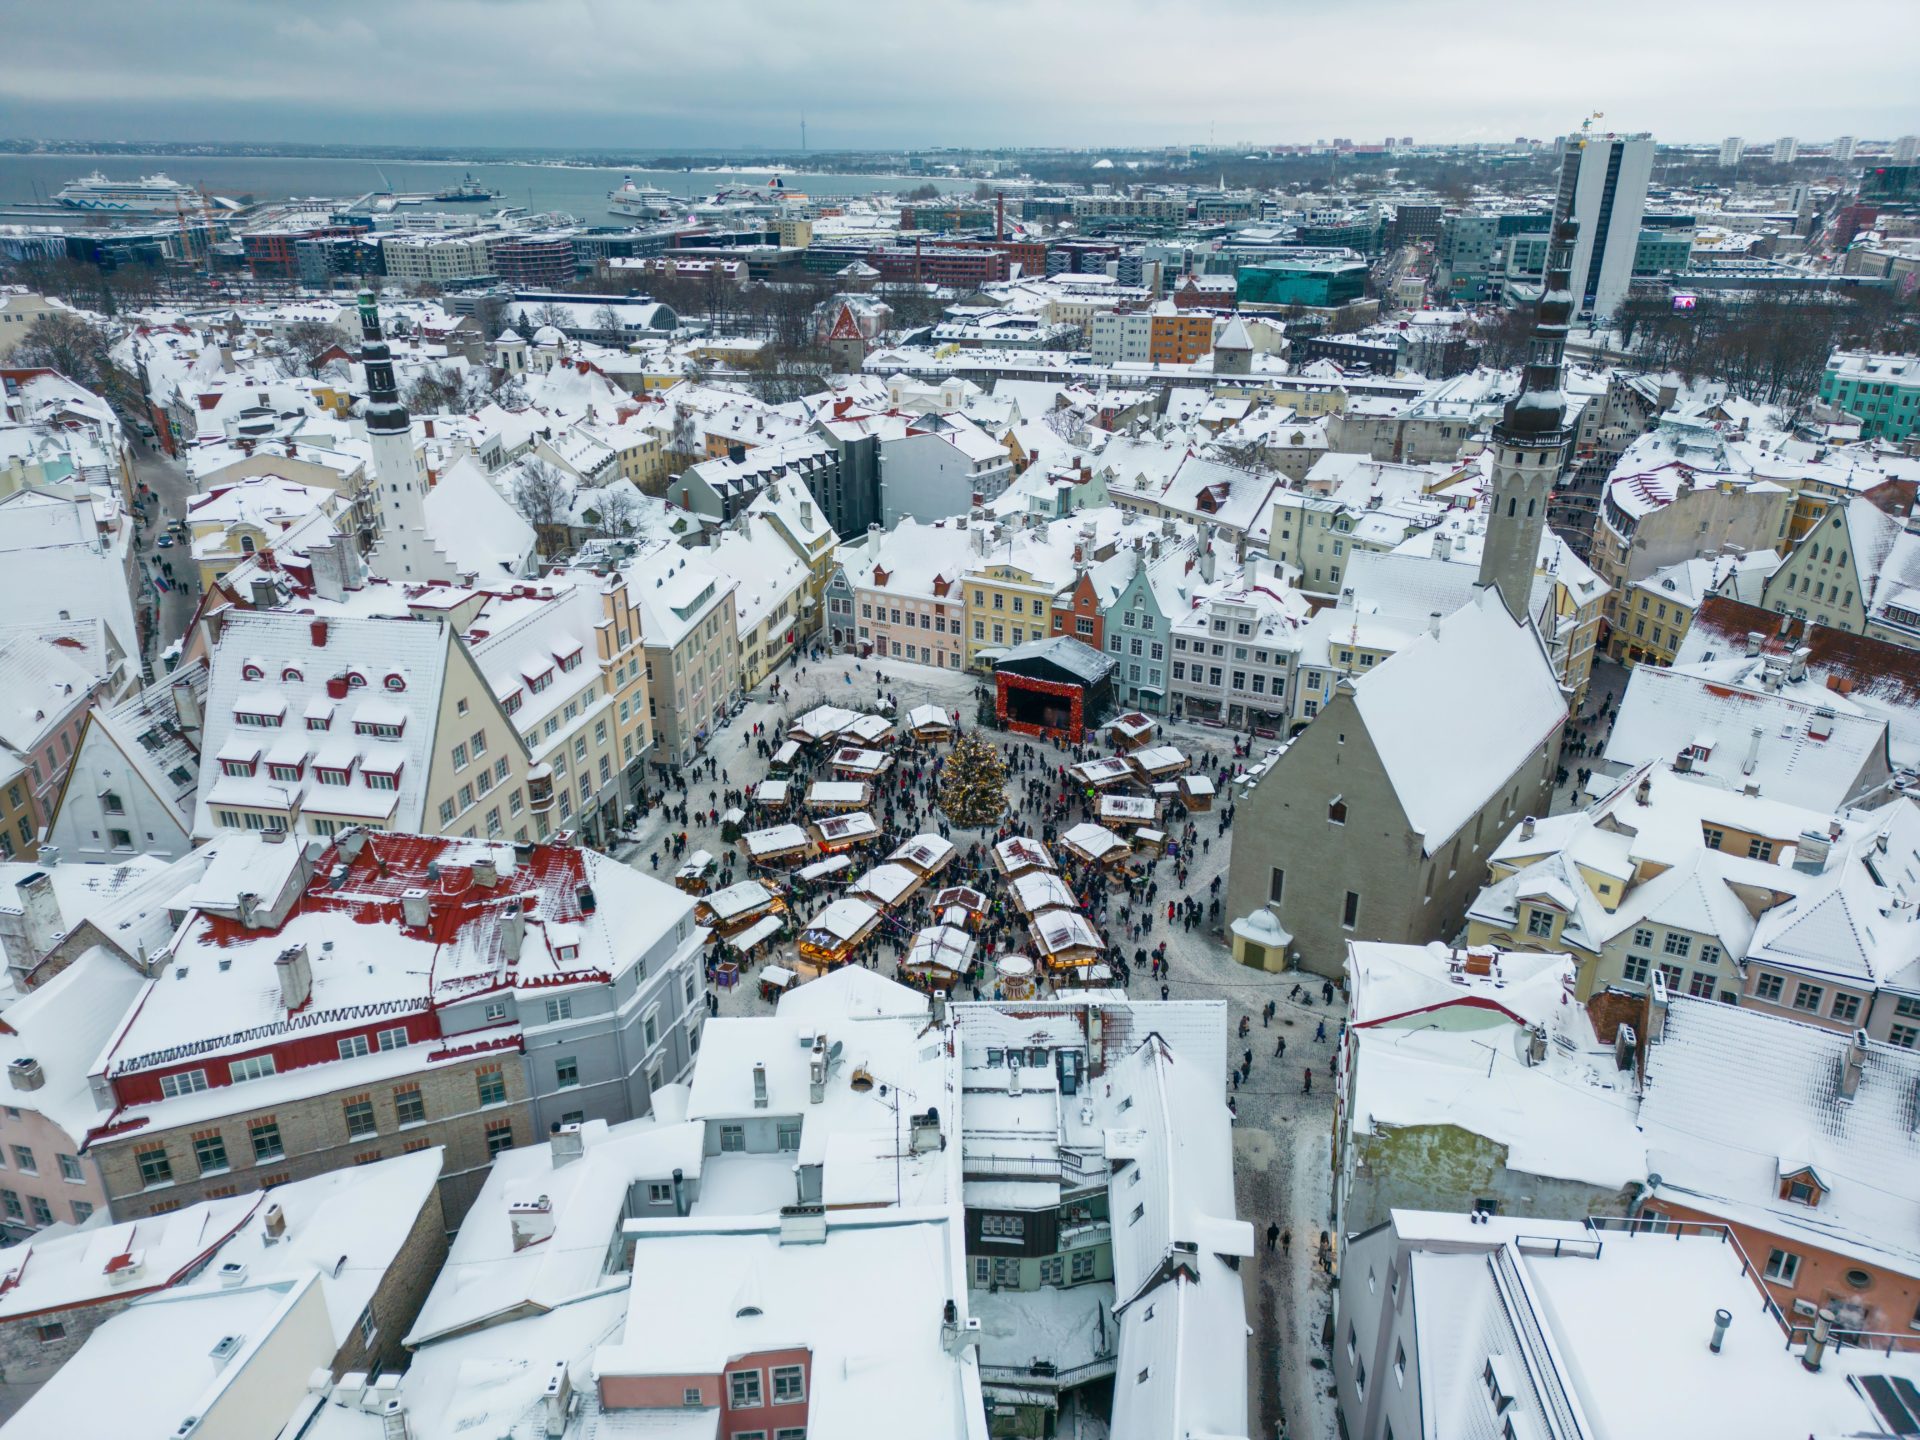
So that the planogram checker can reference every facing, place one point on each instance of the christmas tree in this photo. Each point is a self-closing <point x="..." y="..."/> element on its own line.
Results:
<point x="973" y="783"/>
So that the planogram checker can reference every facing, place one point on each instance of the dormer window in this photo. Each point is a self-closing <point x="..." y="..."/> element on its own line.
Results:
<point x="332" y="774"/>
<point x="380" y="729"/>
<point x="355" y="680"/>
<point x="566" y="953"/>
<point x="319" y="722"/>
<point x="396" y="682"/>
<point x="290" y="676"/>
<point x="537" y="683"/>
<point x="236" y="767"/>
<point x="251" y="671"/>
<point x="383" y="779"/>
<point x="569" y="661"/>
<point x="512" y="703"/>
<point x="284" y="772"/>
<point x="259" y="719"/>
<point x="1802" y="1186"/>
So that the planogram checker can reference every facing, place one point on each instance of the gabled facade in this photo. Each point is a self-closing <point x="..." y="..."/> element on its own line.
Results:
<point x="139" y="764"/>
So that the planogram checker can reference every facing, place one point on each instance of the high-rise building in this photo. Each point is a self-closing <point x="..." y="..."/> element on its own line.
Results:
<point x="1906" y="149"/>
<point x="1843" y="151"/>
<point x="1786" y="150"/>
<point x="1603" y="190"/>
<point x="1530" y="439"/>
<point x="1731" y="149"/>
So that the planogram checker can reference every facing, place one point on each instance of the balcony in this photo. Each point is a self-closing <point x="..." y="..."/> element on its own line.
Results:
<point x="540" y="789"/>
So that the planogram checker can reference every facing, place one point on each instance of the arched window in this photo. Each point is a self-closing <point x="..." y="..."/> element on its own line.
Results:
<point x="355" y="680"/>
<point x="246" y="544"/>
<point x="1530" y="505"/>
<point x="1513" y="505"/>
<point x="396" y="682"/>
<point x="251" y="671"/>
<point x="290" y="676"/>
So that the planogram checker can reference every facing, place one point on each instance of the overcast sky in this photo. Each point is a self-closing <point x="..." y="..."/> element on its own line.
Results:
<point x="634" y="74"/>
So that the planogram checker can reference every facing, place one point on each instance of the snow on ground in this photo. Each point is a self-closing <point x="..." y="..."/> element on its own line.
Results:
<point x="1283" y="1145"/>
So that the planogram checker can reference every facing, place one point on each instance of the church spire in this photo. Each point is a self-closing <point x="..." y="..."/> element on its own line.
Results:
<point x="1537" y="414"/>
<point x="385" y="414"/>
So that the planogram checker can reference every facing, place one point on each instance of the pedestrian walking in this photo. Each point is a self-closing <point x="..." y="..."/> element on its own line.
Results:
<point x="1164" y="992"/>
<point x="1320" y="1031"/>
<point x="1273" y="1236"/>
<point x="1286" y="1242"/>
<point x="1306" y="1087"/>
<point x="1279" y="1047"/>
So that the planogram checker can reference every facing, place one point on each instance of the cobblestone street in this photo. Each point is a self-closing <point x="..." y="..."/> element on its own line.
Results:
<point x="1283" y="1140"/>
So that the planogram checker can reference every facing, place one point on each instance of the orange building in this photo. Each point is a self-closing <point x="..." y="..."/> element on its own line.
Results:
<point x="1178" y="337"/>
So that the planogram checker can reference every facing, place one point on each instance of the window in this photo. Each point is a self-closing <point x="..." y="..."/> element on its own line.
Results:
<point x="659" y="1193"/>
<point x="560" y="1008"/>
<point x="743" y="1389"/>
<point x="210" y="1153"/>
<point x="70" y="1167"/>
<point x="254" y="1067"/>
<point x="788" y="1132"/>
<point x="1635" y="969"/>
<point x="1643" y="938"/>
<point x="82" y="1212"/>
<point x="691" y="1396"/>
<point x="790" y="1432"/>
<point x="1677" y="944"/>
<point x="51" y="1331"/>
<point x="1276" y="885"/>
<point x="1808" y="997"/>
<point x="266" y="1140"/>
<point x="732" y="1138"/>
<point x="23" y="1157"/>
<point x="1845" y="1007"/>
<point x="186" y="1082"/>
<point x="566" y="1072"/>
<point x="353" y="1046"/>
<point x="1081" y="1267"/>
<point x="1337" y="811"/>
<point x="499" y="1137"/>
<point x="1700" y="984"/>
<point x="789" y="1384"/>
<point x="1539" y="922"/>
<point x="1759" y="849"/>
<point x="360" y="1123"/>
<point x="1782" y="1266"/>
<point x="493" y="1088"/>
<point x="1350" y="910"/>
<point x="1904" y="1037"/>
<point x="394" y="1039"/>
<point x="368" y="1326"/>
<point x="409" y="1105"/>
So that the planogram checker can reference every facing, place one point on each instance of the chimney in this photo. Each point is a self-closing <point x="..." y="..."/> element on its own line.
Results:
<point x="1855" y="1068"/>
<point x="26" y="1073"/>
<point x="486" y="874"/>
<point x="557" y="1400"/>
<point x="568" y="1144"/>
<point x="806" y="514"/>
<point x="513" y="931"/>
<point x="1797" y="664"/>
<point x="803" y="1224"/>
<point x="1816" y="1350"/>
<point x="1810" y="853"/>
<point x="1526" y="828"/>
<point x="531" y="1221"/>
<point x="1752" y="762"/>
<point x="1013" y="1079"/>
<point x="186" y="705"/>
<point x="1721" y="1320"/>
<point x="295" y="972"/>
<point x="416" y="907"/>
<point x="759" y="1085"/>
<point x="817" y="1071"/>
<point x="274" y="1225"/>
<point x="319" y="629"/>
<point x="265" y="595"/>
<point x="1626" y="1044"/>
<point x="1433" y="623"/>
<point x="1443" y="547"/>
<point x="1536" y="1045"/>
<point x="1643" y="792"/>
<point x="680" y="1192"/>
<point x="1657" y="1002"/>
<point x="41" y="909"/>
<point x="1754" y="641"/>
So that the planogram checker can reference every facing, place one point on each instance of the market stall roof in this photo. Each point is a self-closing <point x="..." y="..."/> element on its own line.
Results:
<point x="1159" y="760"/>
<point x="856" y="761"/>
<point x="1094" y="842"/>
<point x="820" y="869"/>
<point x="1128" y="807"/>
<point x="1022" y="853"/>
<point x="836" y="792"/>
<point x="1039" y="890"/>
<point x="741" y="899"/>
<point x="771" y="792"/>
<point x="763" y="929"/>
<point x="774" y="840"/>
<point x="923" y="719"/>
<point x="846" y="829"/>
<point x="929" y="853"/>
<point x="1111" y="770"/>
<point x="869" y="729"/>
<point x="823" y="722"/>
<point x="846" y="919"/>
<point x="886" y="884"/>
<point x="944" y="946"/>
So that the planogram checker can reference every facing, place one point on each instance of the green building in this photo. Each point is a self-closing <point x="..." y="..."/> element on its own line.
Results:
<point x="1883" y="390"/>
<point x="1662" y="252"/>
<point x="1301" y="282"/>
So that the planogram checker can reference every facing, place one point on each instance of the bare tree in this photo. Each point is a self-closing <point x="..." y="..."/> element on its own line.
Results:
<point x="68" y="342"/>
<point x="447" y="390"/>
<point x="619" y="512"/>
<point x="307" y="341"/>
<point x="542" y="495"/>
<point x="607" y="320"/>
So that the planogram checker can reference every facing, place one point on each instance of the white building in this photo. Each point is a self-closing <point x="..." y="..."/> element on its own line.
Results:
<point x="938" y="466"/>
<point x="1609" y="197"/>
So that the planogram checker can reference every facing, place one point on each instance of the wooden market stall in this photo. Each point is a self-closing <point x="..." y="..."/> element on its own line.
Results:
<point x="1159" y="762"/>
<point x="1127" y="810"/>
<point x="850" y="762"/>
<point x="775" y="981"/>
<point x="776" y="845"/>
<point x="1095" y="844"/>
<point x="785" y="758"/>
<point x="697" y="873"/>
<point x="1021" y="854"/>
<point x="1039" y="890"/>
<point x="928" y="853"/>
<point x="833" y="936"/>
<point x="821" y="869"/>
<point x="737" y="907"/>
<point x="838" y="795"/>
<point x="888" y="885"/>
<point x="1104" y="773"/>
<point x="939" y="957"/>
<point x="1149" y="841"/>
<point x="1197" y="792"/>
<point x="771" y="792"/>
<point x="1131" y="731"/>
<point x="929" y="723"/>
<point x="960" y="905"/>
<point x="835" y="833"/>
<point x="869" y="730"/>
<point x="761" y="932"/>
<point x="823" y="722"/>
<point x="1065" y="939"/>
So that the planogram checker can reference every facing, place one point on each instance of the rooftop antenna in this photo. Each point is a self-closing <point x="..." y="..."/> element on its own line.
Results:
<point x="803" y="132"/>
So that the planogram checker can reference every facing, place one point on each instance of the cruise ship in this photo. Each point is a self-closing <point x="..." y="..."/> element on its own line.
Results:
<point x="646" y="202"/>
<point x="149" y="195"/>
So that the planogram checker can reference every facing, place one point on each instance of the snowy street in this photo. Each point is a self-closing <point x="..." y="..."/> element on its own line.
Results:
<point x="1283" y="1139"/>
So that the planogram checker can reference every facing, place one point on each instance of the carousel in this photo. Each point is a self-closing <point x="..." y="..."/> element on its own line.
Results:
<point x="1013" y="977"/>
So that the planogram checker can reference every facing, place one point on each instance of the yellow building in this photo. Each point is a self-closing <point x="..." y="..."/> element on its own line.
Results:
<point x="1657" y="611"/>
<point x="1009" y="594"/>
<point x="228" y="524"/>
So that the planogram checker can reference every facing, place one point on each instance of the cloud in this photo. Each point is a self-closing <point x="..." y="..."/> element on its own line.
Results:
<point x="637" y="74"/>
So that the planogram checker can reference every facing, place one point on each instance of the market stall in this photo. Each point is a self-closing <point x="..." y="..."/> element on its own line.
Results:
<point x="823" y="722"/>
<point x="929" y="723"/>
<point x="960" y="905"/>
<point x="1127" y="810"/>
<point x="1095" y="844"/>
<point x="1039" y="890"/>
<point x="1197" y="792"/>
<point x="785" y="758"/>
<point x="761" y="932"/>
<point x="697" y="873"/>
<point x="775" y="981"/>
<point x="776" y="845"/>
<point x="869" y="730"/>
<point x="771" y="792"/>
<point x="738" y="906"/>
<point x="842" y="832"/>
<point x="833" y="936"/>
<point x="1159" y="762"/>
<point x="1065" y="939"/>
<point x="939" y="957"/>
<point x="838" y="795"/>
<point x="821" y="869"/>
<point x="851" y="762"/>
<point x="1130" y="731"/>
<point x="1021" y="854"/>
<point x="888" y="885"/>
<point x="1103" y="774"/>
<point x="929" y="854"/>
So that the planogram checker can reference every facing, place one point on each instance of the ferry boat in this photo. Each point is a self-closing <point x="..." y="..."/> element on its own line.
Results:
<point x="645" y="202"/>
<point x="468" y="191"/>
<point x="149" y="195"/>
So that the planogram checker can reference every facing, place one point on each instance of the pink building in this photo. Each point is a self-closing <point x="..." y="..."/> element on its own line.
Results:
<point x="908" y="600"/>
